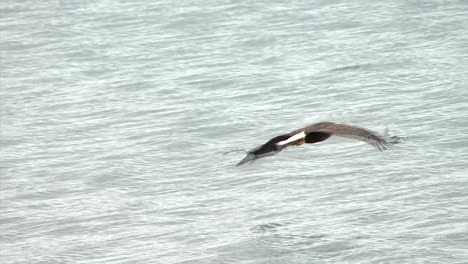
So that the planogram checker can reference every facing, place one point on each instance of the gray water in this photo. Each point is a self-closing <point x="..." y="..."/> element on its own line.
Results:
<point x="121" y="124"/>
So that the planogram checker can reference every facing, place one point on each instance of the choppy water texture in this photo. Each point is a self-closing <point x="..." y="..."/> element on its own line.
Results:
<point x="116" y="117"/>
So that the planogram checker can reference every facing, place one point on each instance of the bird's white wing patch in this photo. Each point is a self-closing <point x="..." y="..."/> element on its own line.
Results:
<point x="292" y="138"/>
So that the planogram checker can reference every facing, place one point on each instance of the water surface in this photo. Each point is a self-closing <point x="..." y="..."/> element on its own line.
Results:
<point x="116" y="117"/>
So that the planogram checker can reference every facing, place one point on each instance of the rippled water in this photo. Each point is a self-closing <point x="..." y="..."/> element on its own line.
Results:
<point x="120" y="121"/>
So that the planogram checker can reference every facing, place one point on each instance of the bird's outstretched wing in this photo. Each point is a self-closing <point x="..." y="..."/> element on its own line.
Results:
<point x="348" y="131"/>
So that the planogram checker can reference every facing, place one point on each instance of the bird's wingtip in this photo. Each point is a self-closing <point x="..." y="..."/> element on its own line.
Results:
<point x="249" y="157"/>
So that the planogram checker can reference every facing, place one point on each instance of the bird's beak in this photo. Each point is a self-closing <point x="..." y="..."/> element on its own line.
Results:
<point x="249" y="157"/>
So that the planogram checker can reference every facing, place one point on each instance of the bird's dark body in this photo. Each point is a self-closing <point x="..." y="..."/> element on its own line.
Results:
<point x="271" y="146"/>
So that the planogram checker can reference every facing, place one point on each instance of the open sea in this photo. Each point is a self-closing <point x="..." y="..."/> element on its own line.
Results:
<point x="121" y="123"/>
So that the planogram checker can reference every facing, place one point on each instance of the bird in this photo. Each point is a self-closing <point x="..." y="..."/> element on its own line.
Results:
<point x="319" y="132"/>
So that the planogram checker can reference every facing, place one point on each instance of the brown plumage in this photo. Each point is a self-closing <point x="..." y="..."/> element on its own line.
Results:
<point x="316" y="133"/>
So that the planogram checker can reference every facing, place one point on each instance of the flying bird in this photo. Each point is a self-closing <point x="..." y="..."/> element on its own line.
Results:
<point x="316" y="133"/>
